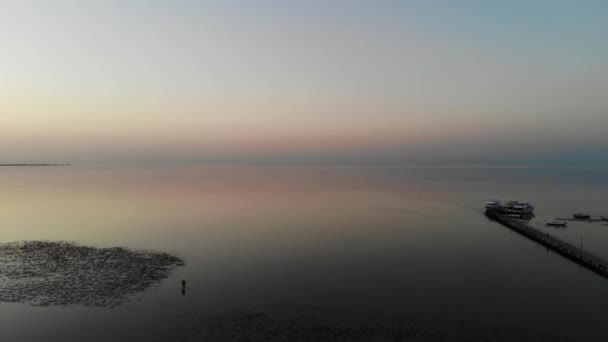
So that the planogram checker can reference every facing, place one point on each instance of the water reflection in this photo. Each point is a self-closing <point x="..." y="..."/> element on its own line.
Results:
<point x="283" y="241"/>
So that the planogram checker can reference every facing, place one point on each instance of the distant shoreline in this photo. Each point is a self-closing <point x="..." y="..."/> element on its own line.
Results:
<point x="24" y="165"/>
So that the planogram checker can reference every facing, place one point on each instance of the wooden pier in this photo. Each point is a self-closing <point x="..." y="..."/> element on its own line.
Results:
<point x="576" y="254"/>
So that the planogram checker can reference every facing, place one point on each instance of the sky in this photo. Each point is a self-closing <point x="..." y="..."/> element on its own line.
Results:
<point x="369" y="82"/>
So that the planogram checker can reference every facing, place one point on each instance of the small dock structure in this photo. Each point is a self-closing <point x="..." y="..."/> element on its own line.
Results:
<point x="589" y="219"/>
<point x="568" y="250"/>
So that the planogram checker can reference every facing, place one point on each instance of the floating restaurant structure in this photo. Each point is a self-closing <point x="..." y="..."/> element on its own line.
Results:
<point x="514" y="208"/>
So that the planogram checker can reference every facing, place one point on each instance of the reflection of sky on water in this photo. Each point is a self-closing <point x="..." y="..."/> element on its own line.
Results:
<point x="406" y="241"/>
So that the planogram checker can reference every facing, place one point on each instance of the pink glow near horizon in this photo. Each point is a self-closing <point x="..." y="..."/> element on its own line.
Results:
<point x="190" y="82"/>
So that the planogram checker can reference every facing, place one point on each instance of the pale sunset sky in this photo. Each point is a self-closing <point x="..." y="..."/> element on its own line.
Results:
<point x="371" y="82"/>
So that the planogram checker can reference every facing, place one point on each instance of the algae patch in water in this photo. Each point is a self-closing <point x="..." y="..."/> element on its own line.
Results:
<point x="62" y="273"/>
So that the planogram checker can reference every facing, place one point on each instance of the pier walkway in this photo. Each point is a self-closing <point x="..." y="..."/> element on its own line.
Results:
<point x="566" y="249"/>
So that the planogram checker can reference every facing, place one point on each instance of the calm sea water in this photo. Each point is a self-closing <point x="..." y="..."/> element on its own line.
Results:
<point x="356" y="243"/>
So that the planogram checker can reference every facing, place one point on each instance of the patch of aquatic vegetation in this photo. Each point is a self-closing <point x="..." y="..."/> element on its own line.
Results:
<point x="46" y="273"/>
